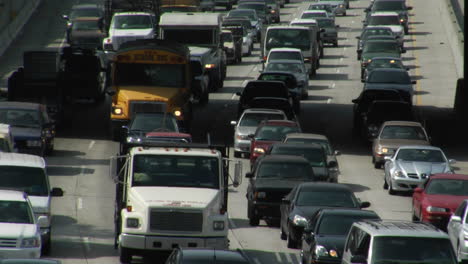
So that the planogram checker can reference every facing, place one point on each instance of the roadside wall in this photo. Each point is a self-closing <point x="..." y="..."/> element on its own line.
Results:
<point x="13" y="15"/>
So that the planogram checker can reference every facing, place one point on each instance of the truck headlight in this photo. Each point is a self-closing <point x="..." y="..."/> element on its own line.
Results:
<point x="117" y="110"/>
<point x="133" y="222"/>
<point x="218" y="225"/>
<point x="133" y="139"/>
<point x="434" y="209"/>
<point x="259" y="150"/>
<point x="177" y="113"/>
<point x="299" y="220"/>
<point x="30" y="242"/>
<point x="33" y="143"/>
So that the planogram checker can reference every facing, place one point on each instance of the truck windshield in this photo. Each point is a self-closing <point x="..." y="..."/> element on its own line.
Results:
<point x="191" y="36"/>
<point x="166" y="75"/>
<point x="132" y="22"/>
<point x="27" y="179"/>
<point x="20" y="117"/>
<point x="288" y="38"/>
<point x="176" y="171"/>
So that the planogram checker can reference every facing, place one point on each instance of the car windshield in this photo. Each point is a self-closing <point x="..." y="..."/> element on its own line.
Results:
<point x="388" y="6"/>
<point x="313" y="14"/>
<point x="421" y="155"/>
<point x="376" y="32"/>
<point x="259" y="8"/>
<point x="326" y="198"/>
<point x="339" y="225"/>
<point x="284" y="55"/>
<point x="385" y="63"/>
<point x="327" y="8"/>
<point x="284" y="171"/>
<point x="384" y="20"/>
<point x="30" y="180"/>
<point x="165" y="75"/>
<point x="85" y="12"/>
<point x="403" y="132"/>
<point x="316" y="156"/>
<point x="176" y="171"/>
<point x="409" y="250"/>
<point x="285" y="67"/>
<point x="396" y="77"/>
<point x="85" y="25"/>
<point x="253" y="119"/>
<point x="447" y="187"/>
<point x="147" y="122"/>
<point x="381" y="46"/>
<point x="17" y="212"/>
<point x="20" y="117"/>
<point x="132" y="22"/>
<point x="326" y="23"/>
<point x="324" y="143"/>
<point x="288" y="38"/>
<point x="275" y="133"/>
<point x="251" y="14"/>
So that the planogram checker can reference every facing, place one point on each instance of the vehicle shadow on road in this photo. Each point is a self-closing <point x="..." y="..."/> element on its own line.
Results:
<point x="357" y="187"/>
<point x="332" y="76"/>
<point x="67" y="171"/>
<point x="258" y="256"/>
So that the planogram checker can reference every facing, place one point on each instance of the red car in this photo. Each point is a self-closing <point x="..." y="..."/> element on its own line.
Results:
<point x="439" y="198"/>
<point x="269" y="132"/>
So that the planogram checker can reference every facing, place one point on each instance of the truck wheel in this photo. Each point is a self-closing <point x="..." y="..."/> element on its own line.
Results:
<point x="125" y="255"/>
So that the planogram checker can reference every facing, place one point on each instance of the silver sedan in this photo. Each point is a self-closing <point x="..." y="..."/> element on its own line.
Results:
<point x="411" y="166"/>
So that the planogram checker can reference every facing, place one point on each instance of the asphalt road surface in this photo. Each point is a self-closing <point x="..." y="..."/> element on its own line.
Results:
<point x="83" y="219"/>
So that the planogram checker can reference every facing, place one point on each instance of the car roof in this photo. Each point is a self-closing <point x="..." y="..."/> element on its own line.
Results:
<point x="286" y="61"/>
<point x="279" y="122"/>
<point x="218" y="254"/>
<point x="297" y="145"/>
<point x="401" y="123"/>
<point x="263" y="111"/>
<point x="287" y="27"/>
<point x="347" y="211"/>
<point x="284" y="158"/>
<point x="453" y="176"/>
<point x="389" y="70"/>
<point x="306" y="135"/>
<point x="19" y="105"/>
<point x="395" y="228"/>
<point x="420" y="147"/>
<point x="384" y="13"/>
<point x="285" y="50"/>
<point x="12" y="195"/>
<point x="312" y="186"/>
<point x="21" y="160"/>
<point x="86" y="6"/>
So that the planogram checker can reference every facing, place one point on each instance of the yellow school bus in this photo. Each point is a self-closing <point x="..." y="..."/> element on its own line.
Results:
<point x="150" y="76"/>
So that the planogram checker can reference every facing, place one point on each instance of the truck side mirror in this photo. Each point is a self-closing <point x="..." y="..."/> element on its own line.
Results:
<point x="237" y="174"/>
<point x="56" y="192"/>
<point x="249" y="175"/>
<point x="42" y="221"/>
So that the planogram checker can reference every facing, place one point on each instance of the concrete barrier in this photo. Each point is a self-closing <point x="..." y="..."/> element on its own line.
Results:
<point x="454" y="33"/>
<point x="11" y="31"/>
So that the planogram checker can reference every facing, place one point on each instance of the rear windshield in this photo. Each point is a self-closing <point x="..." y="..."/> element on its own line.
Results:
<point x="132" y="22"/>
<point x="253" y="119"/>
<point x="285" y="55"/>
<point x="30" y="180"/>
<point x="284" y="170"/>
<point x="315" y="156"/>
<point x="403" y="132"/>
<point x="288" y="38"/>
<point x="397" y="77"/>
<point x="275" y="133"/>
<point x="384" y="20"/>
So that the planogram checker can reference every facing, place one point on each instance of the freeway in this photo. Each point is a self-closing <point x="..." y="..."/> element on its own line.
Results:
<point x="83" y="218"/>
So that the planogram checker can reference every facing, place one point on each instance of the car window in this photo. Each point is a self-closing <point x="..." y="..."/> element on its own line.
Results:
<point x="306" y="15"/>
<point x="325" y="23"/>
<point x="30" y="180"/>
<point x="316" y="157"/>
<point x="4" y="145"/>
<point x="286" y="67"/>
<point x="85" y="25"/>
<point x="384" y="20"/>
<point x="326" y="198"/>
<point x="85" y="12"/>
<point x="388" y="6"/>
<point x="15" y="212"/>
<point x="403" y="132"/>
<point x="284" y="55"/>
<point x="132" y="22"/>
<point x="253" y="119"/>
<point x="324" y="143"/>
<point x="284" y="170"/>
<point x="380" y="46"/>
<point x="389" y="249"/>
<point x="420" y="155"/>
<point x="447" y="187"/>
<point x="20" y="117"/>
<point x="275" y="133"/>
<point x="338" y="225"/>
<point x="288" y="38"/>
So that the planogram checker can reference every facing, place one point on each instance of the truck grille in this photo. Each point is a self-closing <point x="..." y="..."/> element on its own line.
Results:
<point x="120" y="40"/>
<point x="275" y="195"/>
<point x="187" y="221"/>
<point x="147" y="106"/>
<point x="7" y="242"/>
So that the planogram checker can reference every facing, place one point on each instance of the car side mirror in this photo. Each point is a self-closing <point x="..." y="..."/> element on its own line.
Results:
<point x="57" y="192"/>
<point x="260" y="71"/>
<point x="322" y="30"/>
<point x="332" y="164"/>
<point x="238" y="93"/>
<point x="407" y="69"/>
<point x="363" y="81"/>
<point x="358" y="259"/>
<point x="111" y="92"/>
<point x="455" y="218"/>
<point x="308" y="234"/>
<point x="409" y="8"/>
<point x="452" y="161"/>
<point x="337" y="153"/>
<point x="418" y="190"/>
<point x="365" y="204"/>
<point x="125" y="128"/>
<point x="233" y="123"/>
<point x="42" y="220"/>
<point x="387" y="158"/>
<point x="413" y="82"/>
<point x="337" y="26"/>
<point x="249" y="175"/>
<point x="358" y="37"/>
<point x="251" y="136"/>
<point x="367" y="10"/>
<point x="359" y="51"/>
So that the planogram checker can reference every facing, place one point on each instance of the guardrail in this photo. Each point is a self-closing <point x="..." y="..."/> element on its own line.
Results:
<point x="458" y="19"/>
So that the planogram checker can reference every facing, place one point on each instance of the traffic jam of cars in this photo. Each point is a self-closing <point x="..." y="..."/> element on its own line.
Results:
<point x="293" y="179"/>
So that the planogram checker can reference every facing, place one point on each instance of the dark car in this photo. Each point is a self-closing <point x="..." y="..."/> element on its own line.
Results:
<point x="329" y="30"/>
<point x="323" y="242"/>
<point x="83" y="10"/>
<point x="30" y="261"/>
<point x="365" y="99"/>
<point x="381" y="111"/>
<point x="269" y="132"/>
<point x="303" y="202"/>
<point x="383" y="62"/>
<point x="32" y="129"/>
<point x="388" y="78"/>
<point x="262" y="9"/>
<point x="316" y="154"/>
<point x="206" y="255"/>
<point x="271" y="179"/>
<point x="379" y="48"/>
<point x="398" y="6"/>
<point x="261" y="89"/>
<point x="373" y="31"/>
<point x="86" y="33"/>
<point x="274" y="103"/>
<point x="295" y="92"/>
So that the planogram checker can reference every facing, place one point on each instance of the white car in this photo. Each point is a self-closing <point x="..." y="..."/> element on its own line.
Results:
<point x="314" y="14"/>
<point x="20" y="234"/>
<point x="457" y="230"/>
<point x="247" y="124"/>
<point x="386" y="19"/>
<point x="291" y="54"/>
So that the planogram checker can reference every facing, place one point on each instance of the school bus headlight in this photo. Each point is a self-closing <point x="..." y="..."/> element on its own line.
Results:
<point x="117" y="111"/>
<point x="178" y="113"/>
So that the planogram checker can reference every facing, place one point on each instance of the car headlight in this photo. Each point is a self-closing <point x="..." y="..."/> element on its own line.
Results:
<point x="133" y="222"/>
<point x="434" y="209"/>
<point x="48" y="132"/>
<point x="30" y="242"/>
<point x="177" y="113"/>
<point x="33" y="143"/>
<point x="333" y="169"/>
<point x="133" y="139"/>
<point x="259" y="150"/>
<point x="341" y="6"/>
<point x="299" y="220"/>
<point x="465" y="235"/>
<point x="384" y="150"/>
<point x="399" y="174"/>
<point x="372" y="128"/>
<point x="242" y="137"/>
<point x="218" y="225"/>
<point x="260" y="195"/>
<point x="117" y="110"/>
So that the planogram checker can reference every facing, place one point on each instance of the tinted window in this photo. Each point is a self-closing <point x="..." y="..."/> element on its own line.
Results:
<point x="424" y="155"/>
<point x="414" y="249"/>
<point x="284" y="170"/>
<point x="275" y="133"/>
<point x="152" y="122"/>
<point x="381" y="47"/>
<point x="15" y="212"/>
<point x="175" y="171"/>
<point x="398" y="77"/>
<point x="244" y="13"/>
<point x="328" y="8"/>
<point x="85" y="25"/>
<point x="261" y="11"/>
<point x="168" y="75"/>
<point x="339" y="225"/>
<point x="321" y="142"/>
<point x="325" y="23"/>
<point x="284" y="55"/>
<point x="313" y="15"/>
<point x="190" y="36"/>
<point x="403" y="132"/>
<point x="326" y="198"/>
<point x="447" y="187"/>
<point x="20" y="117"/>
<point x="286" y="67"/>
<point x="132" y="22"/>
<point x="288" y="38"/>
<point x="316" y="157"/>
<point x="27" y="179"/>
<point x="384" y="20"/>
<point x="388" y="6"/>
<point x="253" y="119"/>
<point x="85" y="12"/>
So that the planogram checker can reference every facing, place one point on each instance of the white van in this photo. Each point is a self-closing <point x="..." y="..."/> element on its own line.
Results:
<point x="28" y="173"/>
<point x="299" y="37"/>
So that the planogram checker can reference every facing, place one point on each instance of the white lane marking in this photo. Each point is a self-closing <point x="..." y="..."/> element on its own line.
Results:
<point x="79" y="203"/>
<point x="233" y="96"/>
<point x="232" y="224"/>
<point x="333" y="85"/>
<point x="91" y="144"/>
<point x="337" y="70"/>
<point x="344" y="48"/>
<point x="244" y="83"/>
<point x="329" y="100"/>
<point x="341" y="59"/>
<point x="352" y="21"/>
<point x="255" y="68"/>
<point x="86" y="243"/>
